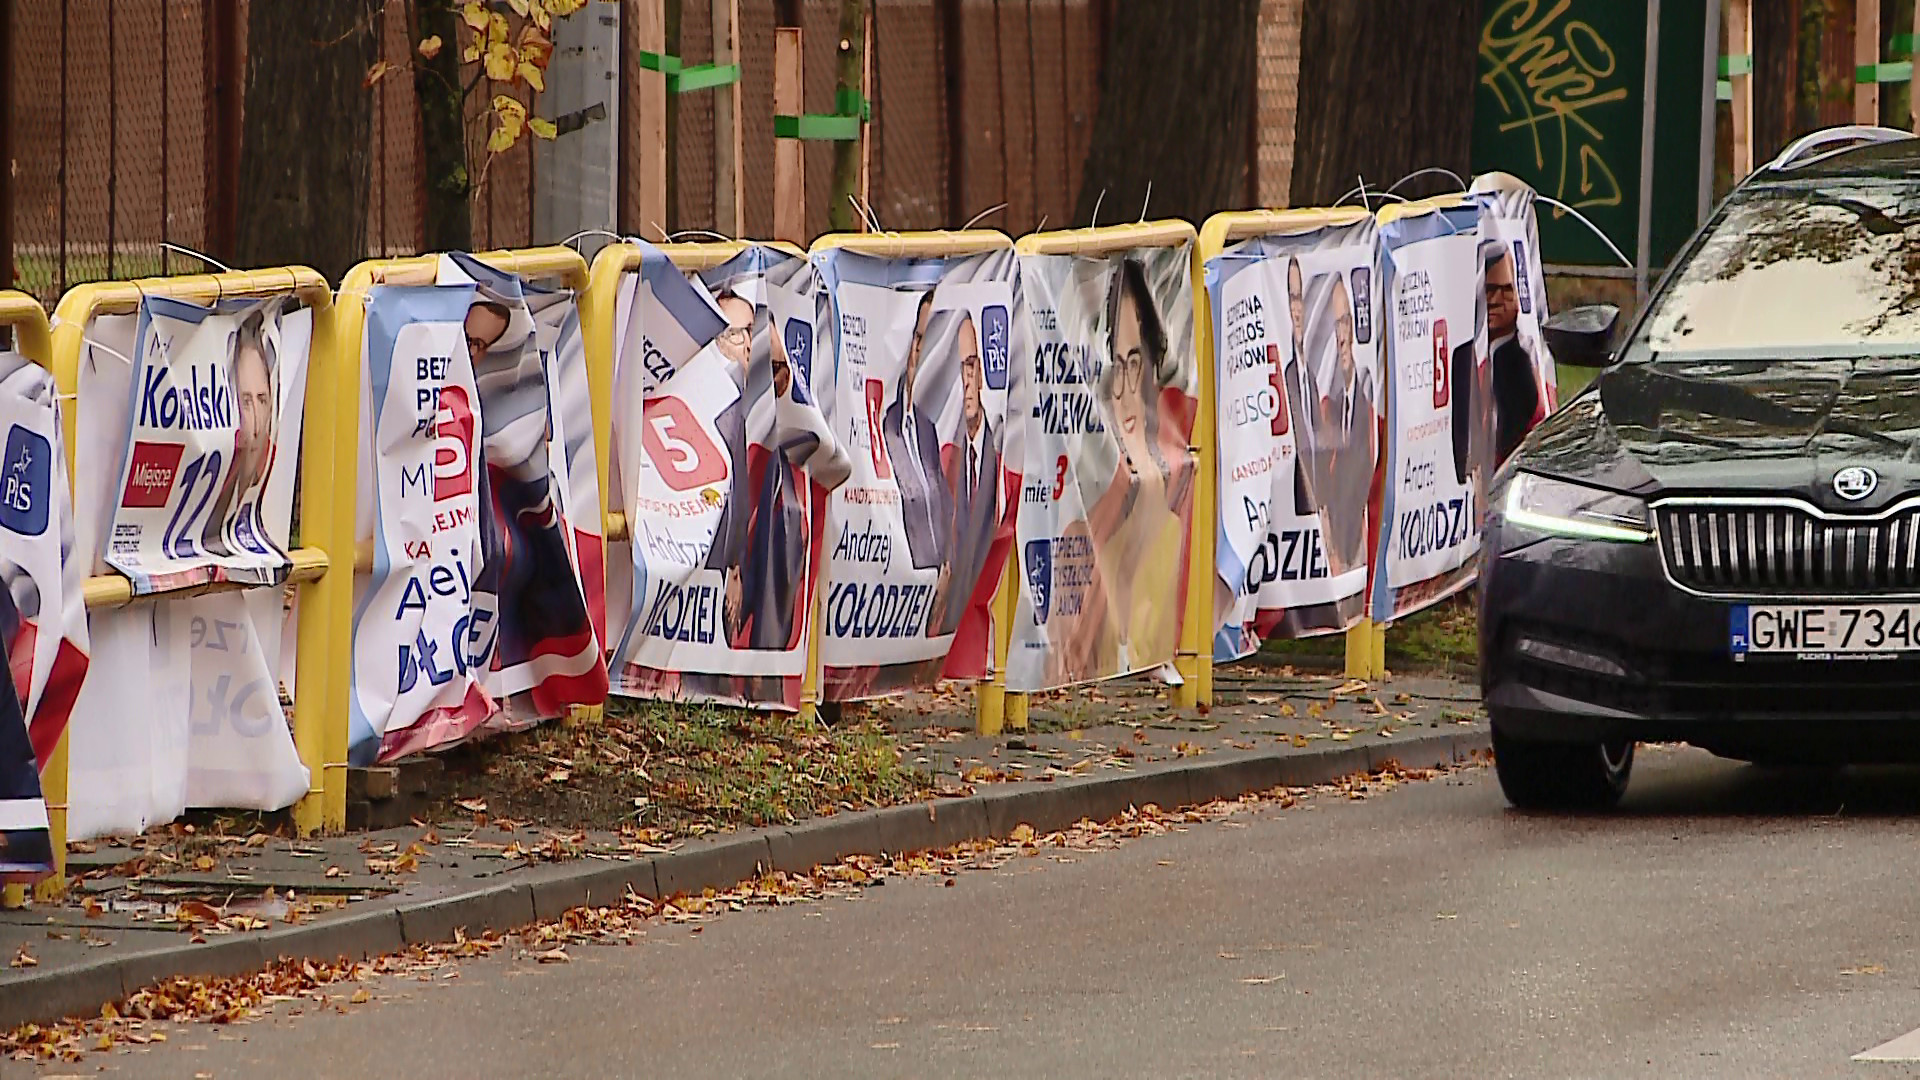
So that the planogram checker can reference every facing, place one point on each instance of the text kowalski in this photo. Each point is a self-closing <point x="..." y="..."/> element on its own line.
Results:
<point x="204" y="405"/>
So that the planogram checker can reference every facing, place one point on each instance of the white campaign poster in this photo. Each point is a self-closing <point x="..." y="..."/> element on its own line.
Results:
<point x="1299" y="408"/>
<point x="1103" y="406"/>
<point x="916" y="538"/>
<point x="725" y="485"/>
<point x="181" y="704"/>
<point x="418" y="655"/>
<point x="1440" y="446"/>
<point x="563" y="352"/>
<point x="1524" y="379"/>
<point x="44" y="619"/>
<point x="200" y="447"/>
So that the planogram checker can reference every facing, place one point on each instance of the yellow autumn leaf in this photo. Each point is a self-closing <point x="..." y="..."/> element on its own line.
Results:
<point x="519" y="7"/>
<point x="564" y="8"/>
<point x="501" y="61"/>
<point x="430" y="48"/>
<point x="496" y="28"/>
<point x="503" y="138"/>
<point x="470" y="54"/>
<point x="510" y="109"/>
<point x="540" y="16"/>
<point x="542" y="127"/>
<point x="535" y="78"/>
<point x="475" y="15"/>
<point x="375" y="73"/>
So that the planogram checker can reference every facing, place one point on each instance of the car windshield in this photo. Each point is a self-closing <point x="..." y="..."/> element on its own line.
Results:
<point x="1827" y="268"/>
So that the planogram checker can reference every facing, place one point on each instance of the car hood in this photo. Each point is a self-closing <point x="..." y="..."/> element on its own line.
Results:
<point x="1746" y="426"/>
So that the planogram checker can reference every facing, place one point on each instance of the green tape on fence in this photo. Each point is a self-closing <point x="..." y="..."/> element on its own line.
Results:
<point x="1741" y="64"/>
<point x="1884" y="73"/>
<point x="850" y="102"/>
<point x="1900" y="43"/>
<point x="703" y="77"/>
<point x="825" y="128"/>
<point x="1723" y="91"/>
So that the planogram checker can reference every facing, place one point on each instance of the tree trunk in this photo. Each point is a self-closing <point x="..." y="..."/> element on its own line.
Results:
<point x="851" y="53"/>
<point x="1176" y="112"/>
<point x="304" y="154"/>
<point x="443" y="118"/>
<point x="1896" y="98"/>
<point x="1776" y="75"/>
<point x="1386" y="87"/>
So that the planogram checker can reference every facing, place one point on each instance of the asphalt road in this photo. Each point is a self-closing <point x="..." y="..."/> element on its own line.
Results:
<point x="1729" y="922"/>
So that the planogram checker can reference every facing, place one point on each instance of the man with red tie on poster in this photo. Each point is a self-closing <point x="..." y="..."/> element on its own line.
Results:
<point x="973" y="477"/>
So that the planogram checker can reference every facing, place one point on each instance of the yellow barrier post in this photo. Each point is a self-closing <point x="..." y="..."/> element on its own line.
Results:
<point x="320" y="502"/>
<point x="1193" y="656"/>
<point x="990" y="709"/>
<point x="27" y="320"/>
<point x="1366" y="640"/>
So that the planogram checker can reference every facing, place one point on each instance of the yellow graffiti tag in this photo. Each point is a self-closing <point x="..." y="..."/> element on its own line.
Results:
<point x="1548" y="74"/>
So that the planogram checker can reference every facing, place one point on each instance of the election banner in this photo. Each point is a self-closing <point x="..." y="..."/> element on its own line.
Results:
<point x="43" y="629"/>
<point x="1525" y="386"/>
<point x="200" y="447"/>
<point x="916" y="539"/>
<point x="43" y="613"/>
<point x="1296" y="354"/>
<point x="556" y="318"/>
<point x="182" y="705"/>
<point x="420" y="642"/>
<point x="727" y="464"/>
<point x="1440" y="441"/>
<point x="545" y="656"/>
<point x="1105" y="418"/>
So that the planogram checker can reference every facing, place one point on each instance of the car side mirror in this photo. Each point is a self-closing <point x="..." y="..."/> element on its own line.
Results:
<point x="1581" y="336"/>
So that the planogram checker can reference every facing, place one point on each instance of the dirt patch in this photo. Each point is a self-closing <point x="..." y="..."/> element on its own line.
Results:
<point x="680" y="770"/>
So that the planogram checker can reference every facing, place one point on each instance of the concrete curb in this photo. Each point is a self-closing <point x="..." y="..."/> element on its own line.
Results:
<point x="544" y="892"/>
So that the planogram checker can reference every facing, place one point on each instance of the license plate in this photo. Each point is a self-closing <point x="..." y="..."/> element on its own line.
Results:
<point x="1824" y="631"/>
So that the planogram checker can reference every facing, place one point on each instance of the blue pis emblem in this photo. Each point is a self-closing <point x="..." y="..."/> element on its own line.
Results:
<point x="1520" y="285"/>
<point x="996" y="349"/>
<point x="1361" y="295"/>
<point x="1039" y="558"/>
<point x="25" y="473"/>
<point x="798" y="338"/>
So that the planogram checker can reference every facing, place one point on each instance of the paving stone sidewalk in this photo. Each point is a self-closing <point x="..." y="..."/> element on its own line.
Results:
<point x="146" y="908"/>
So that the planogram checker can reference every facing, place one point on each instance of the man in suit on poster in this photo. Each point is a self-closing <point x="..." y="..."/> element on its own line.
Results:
<point x="1347" y="431"/>
<point x="1516" y="386"/>
<point x="973" y="479"/>
<point x="913" y="450"/>
<point x="728" y="555"/>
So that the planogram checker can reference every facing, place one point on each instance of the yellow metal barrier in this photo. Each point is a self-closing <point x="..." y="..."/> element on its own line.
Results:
<point x="349" y="332"/>
<point x="321" y="507"/>
<point x="1193" y="657"/>
<point x="1366" y="641"/>
<point x="991" y="708"/>
<point x="599" y="314"/>
<point x="27" y="320"/>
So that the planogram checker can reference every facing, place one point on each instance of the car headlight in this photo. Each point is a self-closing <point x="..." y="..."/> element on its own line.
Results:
<point x="1562" y="508"/>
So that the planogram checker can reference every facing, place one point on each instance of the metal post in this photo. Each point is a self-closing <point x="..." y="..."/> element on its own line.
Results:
<point x="6" y="144"/>
<point x="1644" y="236"/>
<point x="1709" y="101"/>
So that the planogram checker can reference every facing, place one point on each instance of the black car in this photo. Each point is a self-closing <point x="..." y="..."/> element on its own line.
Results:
<point x="1718" y="541"/>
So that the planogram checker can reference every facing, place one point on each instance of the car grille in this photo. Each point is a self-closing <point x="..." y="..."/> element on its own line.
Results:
<point x="1769" y="549"/>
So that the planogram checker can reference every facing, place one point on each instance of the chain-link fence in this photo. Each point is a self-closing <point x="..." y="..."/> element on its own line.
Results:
<point x="124" y="120"/>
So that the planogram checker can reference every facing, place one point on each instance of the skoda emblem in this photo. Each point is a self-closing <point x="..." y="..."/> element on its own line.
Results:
<point x="1855" y="482"/>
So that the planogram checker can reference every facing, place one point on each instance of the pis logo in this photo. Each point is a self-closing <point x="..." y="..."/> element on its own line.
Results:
<point x="798" y="338"/>
<point x="1039" y="558"/>
<point x="24" y="475"/>
<point x="996" y="349"/>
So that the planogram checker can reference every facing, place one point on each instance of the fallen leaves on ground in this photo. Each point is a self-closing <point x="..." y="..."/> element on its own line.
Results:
<point x="241" y="999"/>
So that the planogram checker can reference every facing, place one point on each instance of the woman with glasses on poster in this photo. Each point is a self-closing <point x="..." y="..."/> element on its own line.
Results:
<point x="1138" y="528"/>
